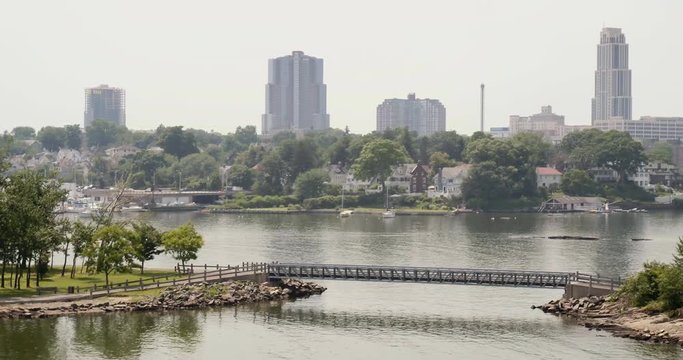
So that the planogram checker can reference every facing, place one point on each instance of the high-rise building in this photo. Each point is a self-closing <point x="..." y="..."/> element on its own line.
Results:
<point x="654" y="128"/>
<point x="425" y="116"/>
<point x="105" y="103"/>
<point x="296" y="97"/>
<point x="612" y="78"/>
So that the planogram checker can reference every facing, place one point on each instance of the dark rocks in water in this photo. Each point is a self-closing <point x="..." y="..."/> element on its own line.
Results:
<point x="641" y="239"/>
<point x="572" y="237"/>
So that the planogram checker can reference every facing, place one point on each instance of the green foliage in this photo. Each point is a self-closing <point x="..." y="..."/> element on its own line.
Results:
<point x="102" y="133"/>
<point x="660" y="152"/>
<point x="448" y="142"/>
<point x="658" y="286"/>
<point x="111" y="250"/>
<point x="439" y="160"/>
<point x="579" y="183"/>
<point x="536" y="149"/>
<point x="272" y="176"/>
<point x="24" y="133"/>
<point x="311" y="184"/>
<point x="241" y="176"/>
<point x="177" y="142"/>
<point x="626" y="190"/>
<point x="183" y="243"/>
<point x="197" y="167"/>
<point x="146" y="243"/>
<point x="330" y="202"/>
<point x="52" y="138"/>
<point x="678" y="204"/>
<point x="678" y="255"/>
<point x="298" y="156"/>
<point x="72" y="136"/>
<point x="242" y="201"/>
<point x="378" y="158"/>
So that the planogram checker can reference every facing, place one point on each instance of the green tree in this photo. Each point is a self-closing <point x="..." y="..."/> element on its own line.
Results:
<point x="246" y="135"/>
<point x="578" y="183"/>
<point x="183" y="243"/>
<point x="52" y="138"/>
<point x="272" y="175"/>
<point x="299" y="156"/>
<point x="661" y="152"/>
<point x="81" y="239"/>
<point x="619" y="152"/>
<point x="241" y="176"/>
<point x="311" y="184"/>
<point x="146" y="241"/>
<point x="537" y="149"/>
<point x="102" y="133"/>
<point x="24" y="133"/>
<point x="72" y="136"/>
<point x="678" y="255"/>
<point x="177" y="142"/>
<point x="448" y="142"/>
<point x="440" y="160"/>
<point x="488" y="184"/>
<point x="111" y="250"/>
<point x="378" y="158"/>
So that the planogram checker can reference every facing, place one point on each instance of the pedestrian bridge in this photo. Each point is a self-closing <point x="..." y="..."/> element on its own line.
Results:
<point x="439" y="275"/>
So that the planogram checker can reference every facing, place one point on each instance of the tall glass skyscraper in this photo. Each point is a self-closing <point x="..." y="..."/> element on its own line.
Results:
<point x="105" y="103"/>
<point x="296" y="97"/>
<point x="612" y="78"/>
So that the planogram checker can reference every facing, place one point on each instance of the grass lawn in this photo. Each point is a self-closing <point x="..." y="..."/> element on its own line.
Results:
<point x="54" y="279"/>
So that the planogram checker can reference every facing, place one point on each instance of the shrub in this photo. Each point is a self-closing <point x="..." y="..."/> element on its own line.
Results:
<point x="644" y="287"/>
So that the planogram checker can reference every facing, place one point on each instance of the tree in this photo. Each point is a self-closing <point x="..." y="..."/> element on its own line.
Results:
<point x="439" y="160"/>
<point x="488" y="184"/>
<point x="298" y="156"/>
<point x="24" y="133"/>
<point x="311" y="184"/>
<point x="661" y="152"/>
<point x="241" y="176"/>
<point x="246" y="135"/>
<point x="678" y="256"/>
<point x="578" y="183"/>
<point x="111" y="250"/>
<point x="182" y="243"/>
<point x="619" y="152"/>
<point x="52" y="138"/>
<point x="81" y="239"/>
<point x="146" y="243"/>
<point x="102" y="133"/>
<point x="377" y="159"/>
<point x="177" y="142"/>
<point x="538" y="150"/>
<point x="72" y="136"/>
<point x="272" y="175"/>
<point x="448" y="142"/>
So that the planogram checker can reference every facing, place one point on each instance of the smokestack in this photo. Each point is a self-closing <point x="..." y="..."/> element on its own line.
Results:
<point x="481" y="127"/>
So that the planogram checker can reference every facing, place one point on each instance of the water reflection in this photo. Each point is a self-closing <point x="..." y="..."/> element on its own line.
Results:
<point x="21" y="339"/>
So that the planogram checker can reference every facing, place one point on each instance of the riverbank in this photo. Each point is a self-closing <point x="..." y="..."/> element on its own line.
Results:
<point x="172" y="298"/>
<point x="617" y="317"/>
<point x="360" y="211"/>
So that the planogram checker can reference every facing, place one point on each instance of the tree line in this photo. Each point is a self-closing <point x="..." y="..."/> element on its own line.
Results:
<point x="31" y="233"/>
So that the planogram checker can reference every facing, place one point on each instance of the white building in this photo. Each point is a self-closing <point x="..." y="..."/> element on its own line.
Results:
<point x="449" y="180"/>
<point x="647" y="128"/>
<point x="119" y="152"/>
<point x="425" y="116"/>
<point x="500" y="132"/>
<point x="651" y="174"/>
<point x="547" y="177"/>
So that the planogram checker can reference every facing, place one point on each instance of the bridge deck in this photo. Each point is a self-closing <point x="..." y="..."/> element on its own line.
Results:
<point x="422" y="275"/>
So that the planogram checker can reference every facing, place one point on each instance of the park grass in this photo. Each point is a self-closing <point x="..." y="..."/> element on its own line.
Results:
<point x="54" y="278"/>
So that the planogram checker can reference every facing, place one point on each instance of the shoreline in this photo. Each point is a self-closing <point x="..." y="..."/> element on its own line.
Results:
<point x="600" y="313"/>
<point x="179" y="297"/>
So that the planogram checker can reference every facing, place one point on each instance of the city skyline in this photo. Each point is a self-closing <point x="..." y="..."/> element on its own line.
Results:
<point x="185" y="79"/>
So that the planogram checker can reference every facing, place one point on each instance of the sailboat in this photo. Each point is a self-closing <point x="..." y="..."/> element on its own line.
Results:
<point x="387" y="214"/>
<point x="344" y="213"/>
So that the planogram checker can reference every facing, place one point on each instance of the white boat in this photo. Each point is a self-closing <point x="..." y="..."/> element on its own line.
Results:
<point x="345" y="213"/>
<point x="133" y="208"/>
<point x="388" y="214"/>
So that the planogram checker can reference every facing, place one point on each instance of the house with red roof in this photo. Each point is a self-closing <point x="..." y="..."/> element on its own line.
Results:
<point x="547" y="176"/>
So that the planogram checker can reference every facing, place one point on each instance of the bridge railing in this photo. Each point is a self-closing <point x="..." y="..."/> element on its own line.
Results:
<point x="597" y="280"/>
<point x="421" y="268"/>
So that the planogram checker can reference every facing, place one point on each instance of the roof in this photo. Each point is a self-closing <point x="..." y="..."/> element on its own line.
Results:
<point x="457" y="171"/>
<point x="547" y="171"/>
<point x="426" y="168"/>
<point x="578" y="200"/>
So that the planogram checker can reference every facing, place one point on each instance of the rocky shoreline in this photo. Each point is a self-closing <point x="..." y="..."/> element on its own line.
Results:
<point x="600" y="313"/>
<point x="195" y="296"/>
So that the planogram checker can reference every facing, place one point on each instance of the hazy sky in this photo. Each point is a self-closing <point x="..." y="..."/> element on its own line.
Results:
<point x="203" y="64"/>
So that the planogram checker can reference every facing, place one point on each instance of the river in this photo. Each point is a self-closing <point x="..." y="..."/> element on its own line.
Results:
<point x="359" y="320"/>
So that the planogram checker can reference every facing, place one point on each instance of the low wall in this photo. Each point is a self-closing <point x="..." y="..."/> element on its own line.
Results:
<point x="578" y="290"/>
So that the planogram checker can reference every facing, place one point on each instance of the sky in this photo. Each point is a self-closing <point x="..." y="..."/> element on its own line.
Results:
<point x="203" y="64"/>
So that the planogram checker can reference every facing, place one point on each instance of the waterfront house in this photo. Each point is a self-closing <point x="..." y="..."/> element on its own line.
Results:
<point x="657" y="173"/>
<point x="448" y="182"/>
<point x="418" y="179"/>
<point x="401" y="177"/>
<point x="547" y="177"/>
<point x="574" y="203"/>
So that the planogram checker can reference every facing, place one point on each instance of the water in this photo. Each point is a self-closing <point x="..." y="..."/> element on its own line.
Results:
<point x="358" y="320"/>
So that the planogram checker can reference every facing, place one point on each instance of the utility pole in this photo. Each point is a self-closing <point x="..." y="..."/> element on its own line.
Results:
<point x="481" y="126"/>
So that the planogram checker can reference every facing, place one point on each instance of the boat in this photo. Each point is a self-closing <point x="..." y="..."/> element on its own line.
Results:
<point x="345" y="213"/>
<point x="133" y="208"/>
<point x="387" y="214"/>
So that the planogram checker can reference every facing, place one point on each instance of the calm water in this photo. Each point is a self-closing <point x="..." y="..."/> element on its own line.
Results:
<point x="357" y="320"/>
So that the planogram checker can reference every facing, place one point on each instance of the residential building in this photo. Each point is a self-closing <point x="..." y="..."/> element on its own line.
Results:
<point x="419" y="179"/>
<point x="449" y="180"/>
<point x="424" y="116"/>
<point x="547" y="177"/>
<point x="546" y="123"/>
<point x="647" y="128"/>
<point x="657" y="173"/>
<point x="296" y="96"/>
<point x="105" y="103"/>
<point x="612" y="78"/>
<point x="344" y="177"/>
<point x="400" y="177"/>
<point x="120" y="152"/>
